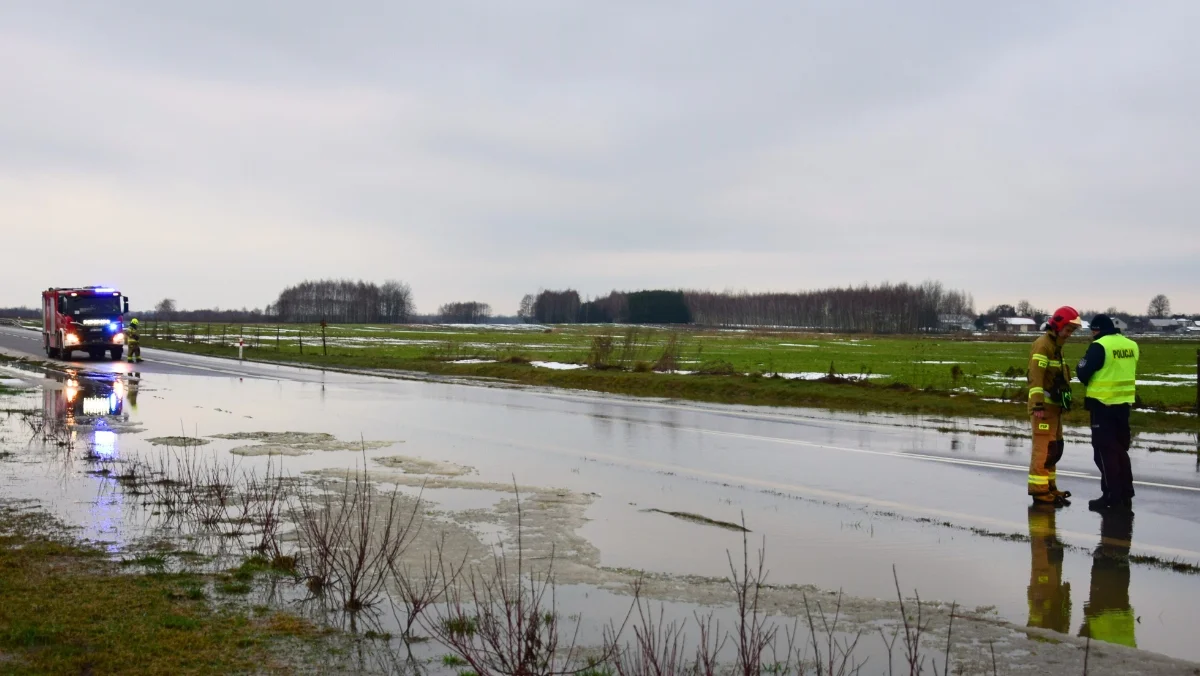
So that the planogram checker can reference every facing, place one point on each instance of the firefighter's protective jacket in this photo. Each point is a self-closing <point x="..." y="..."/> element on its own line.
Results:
<point x="1049" y="376"/>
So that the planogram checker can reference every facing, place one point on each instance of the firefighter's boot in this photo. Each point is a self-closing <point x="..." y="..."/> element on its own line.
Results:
<point x="1049" y="499"/>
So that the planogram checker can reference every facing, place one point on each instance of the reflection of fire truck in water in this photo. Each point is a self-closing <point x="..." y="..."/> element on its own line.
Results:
<point x="84" y="399"/>
<point x="89" y="318"/>
<point x="96" y="404"/>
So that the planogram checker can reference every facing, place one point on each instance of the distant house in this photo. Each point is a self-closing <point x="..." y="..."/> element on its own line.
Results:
<point x="1163" y="325"/>
<point x="956" y="323"/>
<point x="1016" y="325"/>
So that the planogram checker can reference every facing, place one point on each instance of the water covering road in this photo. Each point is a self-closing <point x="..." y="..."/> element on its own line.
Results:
<point x="839" y="498"/>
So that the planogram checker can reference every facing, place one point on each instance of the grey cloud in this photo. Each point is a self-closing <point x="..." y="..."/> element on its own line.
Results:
<point x="483" y="149"/>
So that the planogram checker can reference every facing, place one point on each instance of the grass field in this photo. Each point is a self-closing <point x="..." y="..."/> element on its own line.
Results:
<point x="67" y="608"/>
<point x="951" y="375"/>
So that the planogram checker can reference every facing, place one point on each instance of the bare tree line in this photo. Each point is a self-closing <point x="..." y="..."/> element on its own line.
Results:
<point x="886" y="308"/>
<point x="465" y="313"/>
<point x="344" y="301"/>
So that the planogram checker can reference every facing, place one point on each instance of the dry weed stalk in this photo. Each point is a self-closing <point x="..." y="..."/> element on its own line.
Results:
<point x="418" y="591"/>
<point x="753" y="635"/>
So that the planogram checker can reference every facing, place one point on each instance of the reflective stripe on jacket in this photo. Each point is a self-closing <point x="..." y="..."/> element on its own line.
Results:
<point x="1045" y="369"/>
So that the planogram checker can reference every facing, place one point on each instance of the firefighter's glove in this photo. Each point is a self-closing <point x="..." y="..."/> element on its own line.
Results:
<point x="1039" y="411"/>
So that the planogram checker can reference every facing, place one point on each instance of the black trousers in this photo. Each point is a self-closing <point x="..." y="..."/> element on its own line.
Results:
<point x="1110" y="449"/>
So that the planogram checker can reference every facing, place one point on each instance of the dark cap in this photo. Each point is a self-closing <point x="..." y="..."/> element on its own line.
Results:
<point x="1103" y="323"/>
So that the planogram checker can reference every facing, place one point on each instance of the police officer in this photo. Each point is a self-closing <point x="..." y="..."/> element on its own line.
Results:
<point x="1049" y="396"/>
<point x="131" y="341"/>
<point x="1109" y="369"/>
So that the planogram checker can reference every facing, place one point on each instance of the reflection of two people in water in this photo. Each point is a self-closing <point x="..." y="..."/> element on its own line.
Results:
<point x="1108" y="615"/>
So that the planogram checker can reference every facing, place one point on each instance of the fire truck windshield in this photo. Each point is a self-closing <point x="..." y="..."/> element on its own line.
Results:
<point x="91" y="306"/>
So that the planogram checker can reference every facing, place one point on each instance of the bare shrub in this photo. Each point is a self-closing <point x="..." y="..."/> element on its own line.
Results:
<point x="753" y="635"/>
<point x="506" y="620"/>
<point x="351" y="539"/>
<point x="635" y="346"/>
<point x="659" y="648"/>
<point x="600" y="355"/>
<point x="669" y="359"/>
<point x="417" y="591"/>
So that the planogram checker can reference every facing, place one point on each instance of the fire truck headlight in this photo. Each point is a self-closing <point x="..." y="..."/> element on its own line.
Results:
<point x="119" y="339"/>
<point x="72" y="339"/>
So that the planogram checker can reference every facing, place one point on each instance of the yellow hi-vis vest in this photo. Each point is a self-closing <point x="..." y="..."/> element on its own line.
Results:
<point x="1114" y="626"/>
<point x="1115" y="382"/>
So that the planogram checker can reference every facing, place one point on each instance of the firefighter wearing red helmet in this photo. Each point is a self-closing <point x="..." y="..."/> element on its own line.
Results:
<point x="1049" y="396"/>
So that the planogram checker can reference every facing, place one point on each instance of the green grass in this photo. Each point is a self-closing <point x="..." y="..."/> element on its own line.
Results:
<point x="900" y="378"/>
<point x="65" y="608"/>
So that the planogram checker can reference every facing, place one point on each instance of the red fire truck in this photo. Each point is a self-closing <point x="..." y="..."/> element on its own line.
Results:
<point x="88" y="318"/>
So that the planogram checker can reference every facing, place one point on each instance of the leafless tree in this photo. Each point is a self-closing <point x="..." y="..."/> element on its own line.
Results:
<point x="556" y="307"/>
<point x="1160" y="307"/>
<point x="396" y="302"/>
<point x="525" y="311"/>
<point x="165" y="309"/>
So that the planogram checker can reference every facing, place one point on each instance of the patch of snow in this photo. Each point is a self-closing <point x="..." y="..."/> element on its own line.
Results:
<point x="939" y="362"/>
<point x="498" y="327"/>
<point x="816" y="375"/>
<point x="557" y="366"/>
<point x="797" y="345"/>
<point x="1162" y="383"/>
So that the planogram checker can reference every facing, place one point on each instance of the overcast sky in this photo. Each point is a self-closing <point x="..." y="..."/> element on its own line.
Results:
<point x="217" y="151"/>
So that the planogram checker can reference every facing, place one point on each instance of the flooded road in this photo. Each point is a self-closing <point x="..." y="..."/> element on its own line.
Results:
<point x="840" y="499"/>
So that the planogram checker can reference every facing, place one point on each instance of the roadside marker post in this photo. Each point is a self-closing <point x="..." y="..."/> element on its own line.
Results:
<point x="241" y="344"/>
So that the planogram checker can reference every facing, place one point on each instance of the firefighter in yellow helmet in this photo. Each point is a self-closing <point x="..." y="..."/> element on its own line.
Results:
<point x="1108" y="615"/>
<point x="1049" y="597"/>
<point x="132" y="342"/>
<point x="1049" y="396"/>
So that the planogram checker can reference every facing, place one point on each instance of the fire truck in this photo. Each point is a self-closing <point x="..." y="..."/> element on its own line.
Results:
<point x="89" y="319"/>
